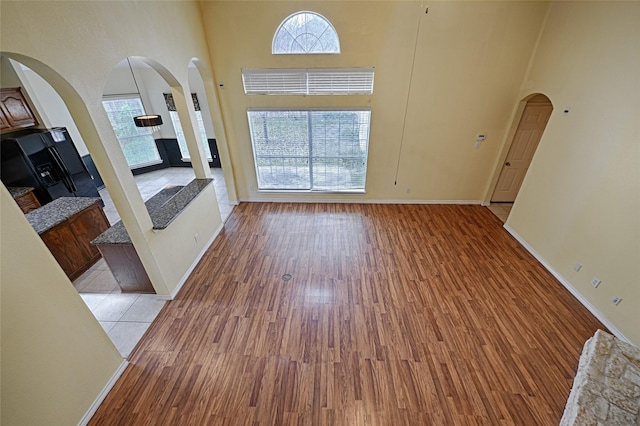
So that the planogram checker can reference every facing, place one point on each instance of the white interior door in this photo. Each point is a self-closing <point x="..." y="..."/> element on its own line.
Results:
<point x="525" y="141"/>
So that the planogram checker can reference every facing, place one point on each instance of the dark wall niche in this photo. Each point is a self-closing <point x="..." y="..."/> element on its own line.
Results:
<point x="174" y="156"/>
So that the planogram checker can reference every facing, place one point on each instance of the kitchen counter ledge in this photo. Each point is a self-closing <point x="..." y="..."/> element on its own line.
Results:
<point x="163" y="208"/>
<point x="57" y="211"/>
<point x="167" y="212"/>
<point x="17" y="191"/>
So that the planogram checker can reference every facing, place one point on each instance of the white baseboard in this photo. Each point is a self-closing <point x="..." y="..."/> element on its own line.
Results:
<point x="568" y="285"/>
<point x="103" y="394"/>
<point x="186" y="275"/>
<point x="354" y="201"/>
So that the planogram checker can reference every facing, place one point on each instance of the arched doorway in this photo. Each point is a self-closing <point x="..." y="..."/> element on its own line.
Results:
<point x="58" y="106"/>
<point x="525" y="141"/>
<point x="201" y="82"/>
<point x="135" y="87"/>
<point x="124" y="317"/>
<point x="203" y="76"/>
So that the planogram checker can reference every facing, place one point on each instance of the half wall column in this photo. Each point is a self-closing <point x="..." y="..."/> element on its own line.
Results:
<point x="187" y="114"/>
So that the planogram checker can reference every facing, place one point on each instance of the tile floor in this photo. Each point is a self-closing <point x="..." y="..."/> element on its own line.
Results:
<point x="125" y="316"/>
<point x="501" y="210"/>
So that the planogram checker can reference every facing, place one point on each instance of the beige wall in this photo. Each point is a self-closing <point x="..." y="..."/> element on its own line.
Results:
<point x="52" y="106"/>
<point x="470" y="60"/>
<point x="580" y="201"/>
<point x="8" y="76"/>
<point x="152" y="87"/>
<point x="55" y="356"/>
<point x="75" y="46"/>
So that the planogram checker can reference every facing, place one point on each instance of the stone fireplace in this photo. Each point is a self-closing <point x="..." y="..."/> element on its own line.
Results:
<point x="606" y="389"/>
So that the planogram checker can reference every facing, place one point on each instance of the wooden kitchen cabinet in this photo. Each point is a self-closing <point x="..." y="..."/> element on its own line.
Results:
<point x="4" y="123"/>
<point x="27" y="202"/>
<point x="69" y="241"/>
<point x="15" y="112"/>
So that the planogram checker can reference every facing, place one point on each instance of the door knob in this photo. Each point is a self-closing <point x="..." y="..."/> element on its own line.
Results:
<point x="507" y="164"/>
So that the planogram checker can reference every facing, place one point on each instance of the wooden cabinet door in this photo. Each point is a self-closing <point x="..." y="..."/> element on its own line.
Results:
<point x="70" y="241"/>
<point x="15" y="109"/>
<point x="86" y="226"/>
<point x="4" y="123"/>
<point x="65" y="248"/>
<point x="28" y="202"/>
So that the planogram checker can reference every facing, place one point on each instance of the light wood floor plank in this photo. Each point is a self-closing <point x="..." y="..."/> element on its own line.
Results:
<point x="395" y="314"/>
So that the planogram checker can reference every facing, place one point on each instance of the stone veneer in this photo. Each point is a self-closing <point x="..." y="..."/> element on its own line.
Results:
<point x="606" y="389"/>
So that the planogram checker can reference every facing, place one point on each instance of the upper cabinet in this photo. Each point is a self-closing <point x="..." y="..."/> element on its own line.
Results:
<point x="14" y="110"/>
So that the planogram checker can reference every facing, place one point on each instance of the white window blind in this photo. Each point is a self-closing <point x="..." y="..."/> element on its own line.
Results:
<point x="338" y="81"/>
<point x="259" y="81"/>
<point x="308" y="81"/>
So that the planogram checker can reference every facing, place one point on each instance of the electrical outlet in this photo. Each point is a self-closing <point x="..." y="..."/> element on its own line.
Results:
<point x="577" y="267"/>
<point x="408" y="190"/>
<point x="616" y="300"/>
<point x="595" y="282"/>
<point x="196" y="237"/>
<point x="250" y="187"/>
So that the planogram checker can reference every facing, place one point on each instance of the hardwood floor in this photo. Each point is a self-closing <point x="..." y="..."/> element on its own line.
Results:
<point x="394" y="315"/>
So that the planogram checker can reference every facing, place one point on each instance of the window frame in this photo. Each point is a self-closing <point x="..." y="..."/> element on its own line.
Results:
<point x="288" y="18"/>
<point x="141" y="131"/>
<point x="310" y="156"/>
<point x="175" y="121"/>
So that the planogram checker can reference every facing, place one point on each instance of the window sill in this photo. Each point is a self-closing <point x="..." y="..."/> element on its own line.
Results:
<point x="150" y="163"/>
<point x="306" y="192"/>
<point x="188" y="160"/>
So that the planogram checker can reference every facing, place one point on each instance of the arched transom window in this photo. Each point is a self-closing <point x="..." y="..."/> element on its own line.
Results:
<point x="305" y="33"/>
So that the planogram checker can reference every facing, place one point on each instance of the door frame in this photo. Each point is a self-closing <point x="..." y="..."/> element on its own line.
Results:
<point x="505" y="146"/>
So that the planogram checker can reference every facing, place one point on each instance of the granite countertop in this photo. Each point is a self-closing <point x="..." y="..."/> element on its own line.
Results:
<point x="163" y="208"/>
<point x="17" y="191"/>
<point x="117" y="234"/>
<point x="57" y="211"/>
<point x="165" y="213"/>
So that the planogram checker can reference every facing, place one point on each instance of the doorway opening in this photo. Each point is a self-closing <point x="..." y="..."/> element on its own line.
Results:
<point x="525" y="140"/>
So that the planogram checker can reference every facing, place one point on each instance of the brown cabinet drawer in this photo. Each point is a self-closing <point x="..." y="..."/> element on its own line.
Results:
<point x="27" y="202"/>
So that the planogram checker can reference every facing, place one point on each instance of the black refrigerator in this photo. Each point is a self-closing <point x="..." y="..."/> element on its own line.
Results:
<point x="46" y="160"/>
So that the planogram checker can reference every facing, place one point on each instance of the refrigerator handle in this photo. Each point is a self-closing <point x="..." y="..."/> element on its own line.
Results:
<point x="66" y="177"/>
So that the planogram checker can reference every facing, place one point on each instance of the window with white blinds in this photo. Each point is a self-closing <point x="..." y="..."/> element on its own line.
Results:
<point x="308" y="81"/>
